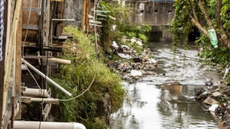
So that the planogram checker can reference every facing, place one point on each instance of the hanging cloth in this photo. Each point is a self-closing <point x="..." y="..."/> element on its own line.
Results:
<point x="1" y="26"/>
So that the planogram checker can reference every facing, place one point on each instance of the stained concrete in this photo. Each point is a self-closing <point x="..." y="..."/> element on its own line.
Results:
<point x="73" y="9"/>
<point x="154" y="13"/>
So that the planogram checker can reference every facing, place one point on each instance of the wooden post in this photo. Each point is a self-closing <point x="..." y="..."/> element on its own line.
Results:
<point x="84" y="15"/>
<point x="9" y="59"/>
<point x="18" y="66"/>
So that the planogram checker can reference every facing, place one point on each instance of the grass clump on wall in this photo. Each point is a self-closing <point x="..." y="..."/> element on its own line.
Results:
<point x="78" y="76"/>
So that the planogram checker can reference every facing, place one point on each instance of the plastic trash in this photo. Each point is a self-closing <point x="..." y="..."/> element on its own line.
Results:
<point x="125" y="56"/>
<point x="213" y="37"/>
<point x="151" y="60"/>
<point x="135" y="73"/>
<point x="139" y="43"/>
<point x="114" y="45"/>
<point x="213" y="108"/>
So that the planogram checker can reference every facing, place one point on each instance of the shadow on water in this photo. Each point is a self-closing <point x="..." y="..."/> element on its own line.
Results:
<point x="167" y="101"/>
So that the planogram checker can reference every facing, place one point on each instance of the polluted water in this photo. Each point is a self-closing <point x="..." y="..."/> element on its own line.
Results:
<point x="166" y="100"/>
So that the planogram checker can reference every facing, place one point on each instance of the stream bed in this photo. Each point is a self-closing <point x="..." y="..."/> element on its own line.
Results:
<point x="166" y="100"/>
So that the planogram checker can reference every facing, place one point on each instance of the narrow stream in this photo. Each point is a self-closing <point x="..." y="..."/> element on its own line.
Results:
<point x="167" y="101"/>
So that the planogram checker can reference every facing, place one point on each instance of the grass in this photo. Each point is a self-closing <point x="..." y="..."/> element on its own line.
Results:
<point x="86" y="62"/>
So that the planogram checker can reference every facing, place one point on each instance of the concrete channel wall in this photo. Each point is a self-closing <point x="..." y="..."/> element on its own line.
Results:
<point x="154" y="13"/>
<point x="73" y="10"/>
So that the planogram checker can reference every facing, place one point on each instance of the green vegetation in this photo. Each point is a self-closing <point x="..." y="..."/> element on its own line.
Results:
<point x="86" y="63"/>
<point x="88" y="67"/>
<point x="125" y="29"/>
<point x="204" y="15"/>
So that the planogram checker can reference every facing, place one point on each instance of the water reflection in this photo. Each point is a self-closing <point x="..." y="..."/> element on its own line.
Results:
<point x="179" y="111"/>
<point x="166" y="102"/>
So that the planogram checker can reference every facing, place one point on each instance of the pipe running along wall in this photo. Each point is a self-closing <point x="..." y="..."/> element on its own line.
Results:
<point x="46" y="77"/>
<point x="46" y="125"/>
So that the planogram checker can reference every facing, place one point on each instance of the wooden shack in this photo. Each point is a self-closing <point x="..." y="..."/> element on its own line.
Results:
<point x="31" y="43"/>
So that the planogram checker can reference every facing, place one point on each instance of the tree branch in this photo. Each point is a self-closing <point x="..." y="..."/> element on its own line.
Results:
<point x="197" y="23"/>
<point x="193" y="10"/>
<point x="199" y="26"/>
<point x="205" y="14"/>
<point x="223" y="35"/>
<point x="218" y="9"/>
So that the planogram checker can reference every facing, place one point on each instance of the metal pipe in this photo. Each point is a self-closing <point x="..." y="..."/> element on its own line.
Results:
<point x="46" y="125"/>
<point x="46" y="77"/>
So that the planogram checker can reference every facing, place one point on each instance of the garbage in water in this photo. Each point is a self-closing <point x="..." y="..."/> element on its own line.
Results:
<point x="168" y="92"/>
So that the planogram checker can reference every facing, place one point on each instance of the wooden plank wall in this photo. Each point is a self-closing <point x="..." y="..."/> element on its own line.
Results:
<point x="10" y="79"/>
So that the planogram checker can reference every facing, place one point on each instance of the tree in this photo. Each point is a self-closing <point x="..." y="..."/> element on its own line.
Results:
<point x="204" y="15"/>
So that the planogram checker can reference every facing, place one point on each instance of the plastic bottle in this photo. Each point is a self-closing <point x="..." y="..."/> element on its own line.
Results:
<point x="213" y="37"/>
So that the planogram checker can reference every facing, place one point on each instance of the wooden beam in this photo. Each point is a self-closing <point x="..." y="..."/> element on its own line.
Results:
<point x="9" y="59"/>
<point x="87" y="12"/>
<point x="9" y="16"/>
<point x="84" y="15"/>
<point x="18" y="67"/>
<point x="47" y="24"/>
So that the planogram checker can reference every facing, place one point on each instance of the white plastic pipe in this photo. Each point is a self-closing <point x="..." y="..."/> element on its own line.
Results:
<point x="35" y="92"/>
<point x="46" y="77"/>
<point x="46" y="100"/>
<point x="46" y="125"/>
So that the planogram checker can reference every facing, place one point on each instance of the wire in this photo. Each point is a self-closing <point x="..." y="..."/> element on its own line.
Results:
<point x="34" y="78"/>
<point x="64" y="100"/>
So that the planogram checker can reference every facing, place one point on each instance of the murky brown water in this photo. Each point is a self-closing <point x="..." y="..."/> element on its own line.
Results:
<point x="166" y="102"/>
